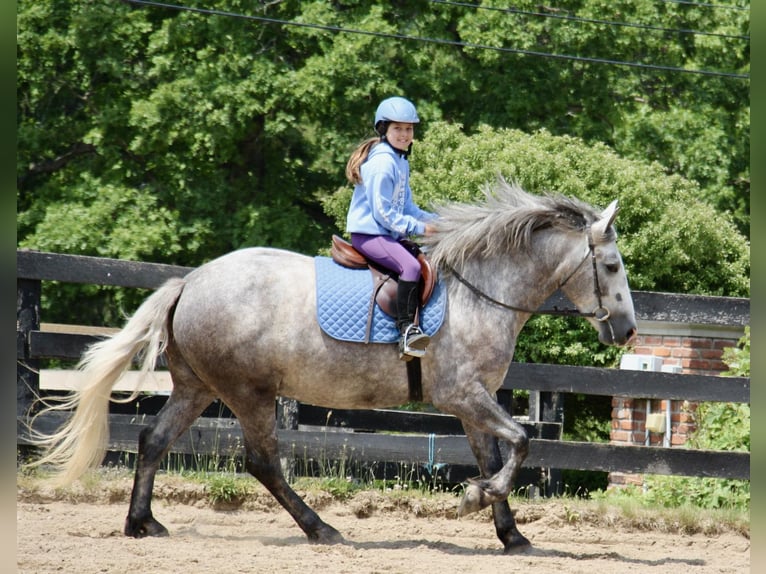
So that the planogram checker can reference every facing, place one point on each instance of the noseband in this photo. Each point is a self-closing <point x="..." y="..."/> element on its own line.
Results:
<point x="600" y="313"/>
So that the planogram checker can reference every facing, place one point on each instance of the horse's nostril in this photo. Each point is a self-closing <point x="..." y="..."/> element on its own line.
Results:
<point x="632" y="334"/>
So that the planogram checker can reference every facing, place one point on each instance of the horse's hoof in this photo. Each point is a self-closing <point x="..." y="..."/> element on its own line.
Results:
<point x="517" y="543"/>
<point x="142" y="529"/>
<point x="472" y="501"/>
<point x="327" y="535"/>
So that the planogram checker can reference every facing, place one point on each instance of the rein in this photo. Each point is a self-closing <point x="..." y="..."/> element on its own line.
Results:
<point x="601" y="313"/>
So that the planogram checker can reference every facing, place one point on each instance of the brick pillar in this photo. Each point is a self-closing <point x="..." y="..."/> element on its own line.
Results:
<point x="695" y="350"/>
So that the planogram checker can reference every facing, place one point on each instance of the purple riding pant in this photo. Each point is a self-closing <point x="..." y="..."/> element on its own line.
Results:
<point x="389" y="253"/>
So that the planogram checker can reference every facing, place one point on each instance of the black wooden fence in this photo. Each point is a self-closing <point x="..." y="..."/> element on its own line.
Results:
<point x="425" y="439"/>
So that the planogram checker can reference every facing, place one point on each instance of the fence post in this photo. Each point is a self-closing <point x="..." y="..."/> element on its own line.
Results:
<point x="552" y="411"/>
<point x="287" y="419"/>
<point x="27" y="370"/>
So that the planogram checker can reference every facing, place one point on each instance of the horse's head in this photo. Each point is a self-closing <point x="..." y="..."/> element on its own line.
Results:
<point x="599" y="285"/>
<point x="533" y="236"/>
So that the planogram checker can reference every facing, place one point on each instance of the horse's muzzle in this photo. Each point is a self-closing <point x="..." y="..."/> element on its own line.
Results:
<point x="610" y="333"/>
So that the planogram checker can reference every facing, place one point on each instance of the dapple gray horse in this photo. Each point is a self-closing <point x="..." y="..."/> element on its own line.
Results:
<point x="243" y="328"/>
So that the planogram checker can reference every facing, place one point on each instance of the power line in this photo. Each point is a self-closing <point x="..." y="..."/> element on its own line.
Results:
<point x="439" y="41"/>
<point x="705" y="5"/>
<point x="571" y="18"/>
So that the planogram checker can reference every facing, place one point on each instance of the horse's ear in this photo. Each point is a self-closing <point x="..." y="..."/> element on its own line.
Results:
<point x="606" y="219"/>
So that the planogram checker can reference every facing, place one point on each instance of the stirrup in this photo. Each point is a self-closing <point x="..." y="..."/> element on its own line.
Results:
<point x="413" y="343"/>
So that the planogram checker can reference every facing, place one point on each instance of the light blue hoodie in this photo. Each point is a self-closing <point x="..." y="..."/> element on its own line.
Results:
<point x="382" y="204"/>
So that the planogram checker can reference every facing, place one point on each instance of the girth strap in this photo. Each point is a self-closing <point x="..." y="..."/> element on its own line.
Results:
<point x="414" y="379"/>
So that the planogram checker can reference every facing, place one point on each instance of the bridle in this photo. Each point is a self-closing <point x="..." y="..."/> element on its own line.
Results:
<point x="600" y="313"/>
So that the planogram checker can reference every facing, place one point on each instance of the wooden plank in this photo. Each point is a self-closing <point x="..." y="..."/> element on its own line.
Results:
<point x="677" y="308"/>
<point x="95" y="330"/>
<point x="626" y="383"/>
<point x="58" y="345"/>
<point x="94" y="270"/>
<point x="542" y="453"/>
<point x="640" y="459"/>
<point x="223" y="436"/>
<point x="403" y="421"/>
<point x="69" y="380"/>
<point x="43" y="345"/>
<point x="693" y="309"/>
<point x="21" y="346"/>
<point x="28" y="295"/>
<point x="529" y="376"/>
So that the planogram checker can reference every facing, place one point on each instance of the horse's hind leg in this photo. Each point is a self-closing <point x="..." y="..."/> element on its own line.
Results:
<point x="262" y="461"/>
<point x="188" y="399"/>
<point x="487" y="452"/>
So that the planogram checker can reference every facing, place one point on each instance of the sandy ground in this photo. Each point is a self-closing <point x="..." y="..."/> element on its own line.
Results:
<point x="83" y="534"/>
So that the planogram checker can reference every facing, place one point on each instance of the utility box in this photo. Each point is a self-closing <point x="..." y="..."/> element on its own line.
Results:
<point x="641" y="363"/>
<point x="672" y="369"/>
<point x="655" y="422"/>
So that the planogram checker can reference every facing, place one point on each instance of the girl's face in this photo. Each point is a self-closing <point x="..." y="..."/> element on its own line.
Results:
<point x="400" y="135"/>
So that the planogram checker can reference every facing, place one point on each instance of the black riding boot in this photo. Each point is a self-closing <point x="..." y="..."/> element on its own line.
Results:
<point x="413" y="341"/>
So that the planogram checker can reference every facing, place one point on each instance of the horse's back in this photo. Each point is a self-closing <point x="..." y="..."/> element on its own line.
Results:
<point x="245" y="290"/>
<point x="251" y="257"/>
<point x="251" y="268"/>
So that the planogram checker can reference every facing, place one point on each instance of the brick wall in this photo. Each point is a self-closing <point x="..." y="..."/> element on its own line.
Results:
<point x="686" y="350"/>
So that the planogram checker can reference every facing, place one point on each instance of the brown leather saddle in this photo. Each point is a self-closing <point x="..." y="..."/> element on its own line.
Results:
<point x="384" y="281"/>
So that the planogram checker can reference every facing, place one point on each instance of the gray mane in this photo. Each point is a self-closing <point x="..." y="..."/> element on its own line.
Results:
<point x="503" y="222"/>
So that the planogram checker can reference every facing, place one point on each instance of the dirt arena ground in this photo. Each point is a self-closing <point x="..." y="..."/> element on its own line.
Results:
<point x="81" y="531"/>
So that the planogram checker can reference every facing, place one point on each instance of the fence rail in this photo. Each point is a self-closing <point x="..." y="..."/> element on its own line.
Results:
<point x="433" y="438"/>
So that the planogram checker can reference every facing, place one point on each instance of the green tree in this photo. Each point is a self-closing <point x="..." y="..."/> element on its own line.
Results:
<point x="695" y="125"/>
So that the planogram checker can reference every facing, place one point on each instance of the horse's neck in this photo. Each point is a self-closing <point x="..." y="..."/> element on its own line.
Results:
<point x="527" y="279"/>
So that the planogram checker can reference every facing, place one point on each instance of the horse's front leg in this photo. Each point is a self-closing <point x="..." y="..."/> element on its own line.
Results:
<point x="487" y="452"/>
<point x="480" y="411"/>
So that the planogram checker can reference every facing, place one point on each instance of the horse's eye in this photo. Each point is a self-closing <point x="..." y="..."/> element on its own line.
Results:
<point x="612" y="267"/>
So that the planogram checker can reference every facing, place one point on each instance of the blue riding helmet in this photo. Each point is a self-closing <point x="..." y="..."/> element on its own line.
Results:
<point x="395" y="109"/>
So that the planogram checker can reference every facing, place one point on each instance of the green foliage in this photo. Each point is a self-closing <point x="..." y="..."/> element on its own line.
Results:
<point x="678" y="491"/>
<point x="583" y="483"/>
<point x="722" y="426"/>
<point x="726" y="426"/>
<point x="566" y="341"/>
<point x="225" y="487"/>
<point x="588" y="418"/>
<point x="670" y="239"/>
<point x="737" y="358"/>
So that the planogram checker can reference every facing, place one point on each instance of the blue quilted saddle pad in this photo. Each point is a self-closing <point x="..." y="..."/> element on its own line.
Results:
<point x="343" y="300"/>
